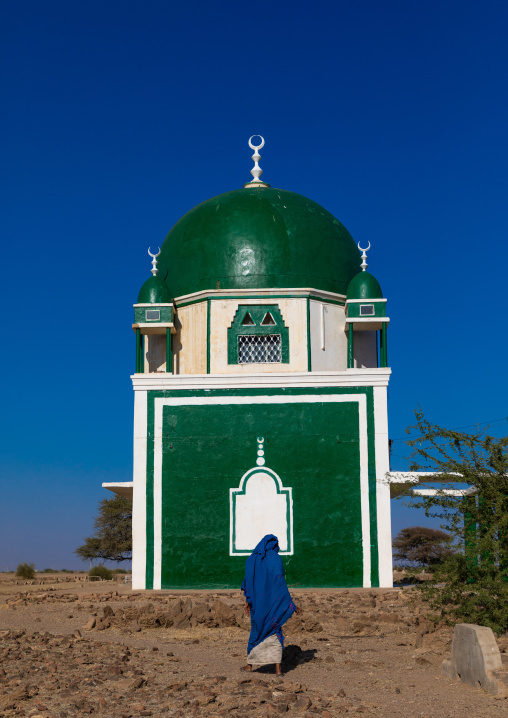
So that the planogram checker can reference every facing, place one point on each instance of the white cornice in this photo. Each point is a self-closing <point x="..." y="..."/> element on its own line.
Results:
<point x="460" y="493"/>
<point x="365" y="320"/>
<point x="277" y="380"/>
<point x="225" y="293"/>
<point x="411" y="478"/>
<point x="155" y="323"/>
<point x="152" y="328"/>
<point x="420" y="477"/>
<point x="121" y="488"/>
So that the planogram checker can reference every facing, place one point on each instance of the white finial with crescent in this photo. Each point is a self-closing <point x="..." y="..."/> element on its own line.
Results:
<point x="154" y="269"/>
<point x="364" y="264"/>
<point x="256" y="171"/>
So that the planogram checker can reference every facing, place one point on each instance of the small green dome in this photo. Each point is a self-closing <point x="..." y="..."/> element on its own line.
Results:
<point x="154" y="291"/>
<point x="258" y="238"/>
<point x="364" y="286"/>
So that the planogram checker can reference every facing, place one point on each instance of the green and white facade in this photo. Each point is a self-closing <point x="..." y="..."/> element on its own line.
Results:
<point x="260" y="399"/>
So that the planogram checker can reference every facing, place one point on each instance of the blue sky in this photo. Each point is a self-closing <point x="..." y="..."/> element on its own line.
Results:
<point x="119" y="117"/>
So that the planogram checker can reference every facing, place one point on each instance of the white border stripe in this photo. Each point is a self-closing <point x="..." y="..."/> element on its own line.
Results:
<point x="159" y="403"/>
<point x="139" y="492"/>
<point x="383" y="506"/>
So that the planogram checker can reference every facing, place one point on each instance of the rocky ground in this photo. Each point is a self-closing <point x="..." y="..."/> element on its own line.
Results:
<point x="72" y="648"/>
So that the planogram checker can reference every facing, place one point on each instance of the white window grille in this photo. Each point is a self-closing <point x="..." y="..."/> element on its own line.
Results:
<point x="259" y="349"/>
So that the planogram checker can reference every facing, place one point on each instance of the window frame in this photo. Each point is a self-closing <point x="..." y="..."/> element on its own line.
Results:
<point x="257" y="312"/>
<point x="370" y="313"/>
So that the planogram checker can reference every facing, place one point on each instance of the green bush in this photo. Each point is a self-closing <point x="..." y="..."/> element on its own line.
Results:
<point x="26" y="570"/>
<point x="471" y="585"/>
<point x="102" y="572"/>
<point x="122" y="570"/>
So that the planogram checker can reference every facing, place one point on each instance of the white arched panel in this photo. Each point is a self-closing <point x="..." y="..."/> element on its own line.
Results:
<point x="260" y="506"/>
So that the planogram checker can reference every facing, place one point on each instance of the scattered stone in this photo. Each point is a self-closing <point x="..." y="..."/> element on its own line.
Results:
<point x="113" y="680"/>
<point x="224" y="614"/>
<point x="303" y="703"/>
<point x="438" y="641"/>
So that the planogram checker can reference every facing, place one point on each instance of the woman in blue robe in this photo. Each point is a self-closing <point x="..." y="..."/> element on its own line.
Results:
<point x="267" y="602"/>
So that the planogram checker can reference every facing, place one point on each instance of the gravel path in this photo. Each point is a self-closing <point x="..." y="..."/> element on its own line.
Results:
<point x="178" y="654"/>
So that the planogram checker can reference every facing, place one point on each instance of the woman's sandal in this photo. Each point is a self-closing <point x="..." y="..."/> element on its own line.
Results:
<point x="245" y="669"/>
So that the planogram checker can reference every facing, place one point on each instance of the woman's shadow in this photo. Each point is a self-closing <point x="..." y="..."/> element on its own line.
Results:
<point x="292" y="656"/>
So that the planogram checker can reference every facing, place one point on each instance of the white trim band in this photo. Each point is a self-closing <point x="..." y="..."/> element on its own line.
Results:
<point x="363" y="320"/>
<point x="225" y="293"/>
<point x="275" y="380"/>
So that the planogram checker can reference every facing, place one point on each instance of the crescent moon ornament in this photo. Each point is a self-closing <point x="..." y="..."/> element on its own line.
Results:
<point x="261" y="440"/>
<point x="154" y="269"/>
<point x="364" y="264"/>
<point x="256" y="147"/>
<point x="256" y="171"/>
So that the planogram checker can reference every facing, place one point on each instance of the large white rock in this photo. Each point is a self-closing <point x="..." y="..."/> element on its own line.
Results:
<point x="476" y="660"/>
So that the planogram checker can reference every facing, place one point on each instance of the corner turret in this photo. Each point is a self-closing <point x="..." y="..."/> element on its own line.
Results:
<point x="365" y="317"/>
<point x="154" y="319"/>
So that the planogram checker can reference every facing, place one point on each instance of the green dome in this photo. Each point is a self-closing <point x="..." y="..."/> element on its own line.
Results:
<point x="154" y="291"/>
<point x="364" y="286"/>
<point x="258" y="238"/>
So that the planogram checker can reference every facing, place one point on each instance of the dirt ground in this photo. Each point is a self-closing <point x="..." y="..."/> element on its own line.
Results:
<point x="71" y="648"/>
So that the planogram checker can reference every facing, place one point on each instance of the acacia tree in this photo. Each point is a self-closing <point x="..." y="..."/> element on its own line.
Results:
<point x="112" y="540"/>
<point x="422" y="545"/>
<point x="473" y="584"/>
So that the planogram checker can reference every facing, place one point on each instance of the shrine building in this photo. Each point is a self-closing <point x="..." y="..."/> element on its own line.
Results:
<point x="260" y="385"/>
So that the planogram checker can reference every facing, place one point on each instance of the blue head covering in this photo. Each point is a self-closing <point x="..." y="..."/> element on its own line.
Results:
<point x="266" y="592"/>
